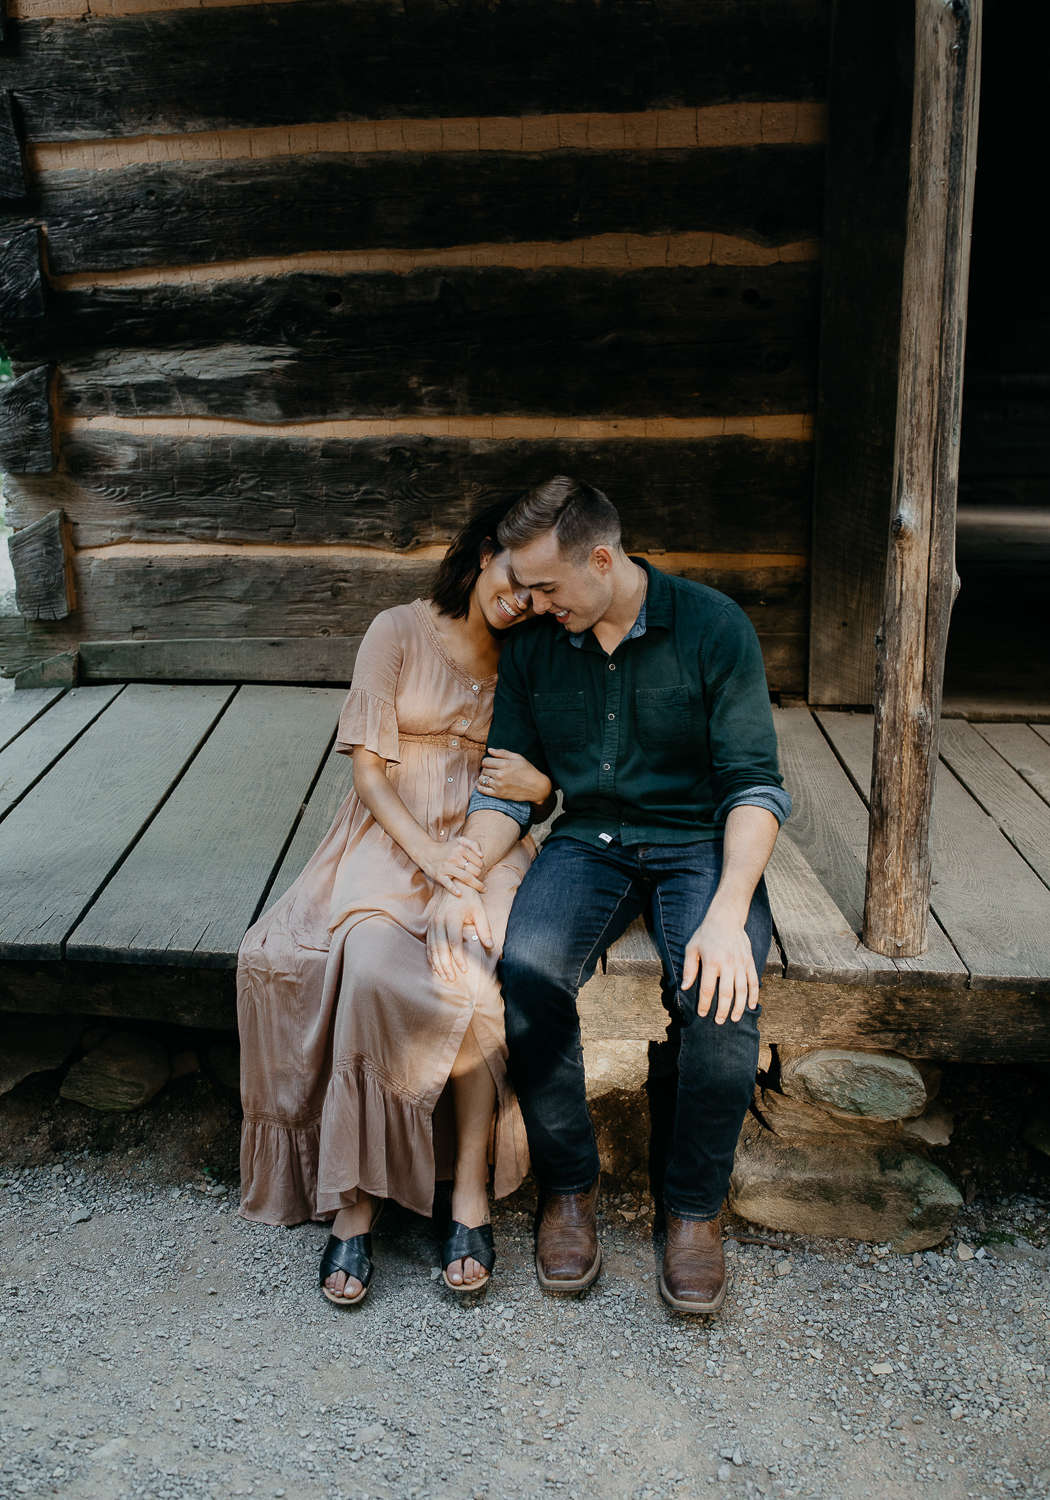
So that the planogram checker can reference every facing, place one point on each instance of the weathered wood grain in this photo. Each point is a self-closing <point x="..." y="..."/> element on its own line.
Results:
<point x="817" y="940"/>
<point x="292" y="659"/>
<point x="183" y="997"/>
<point x="1024" y="749"/>
<point x="921" y="582"/>
<point x="1019" y="811"/>
<point x="196" y="212"/>
<point x="281" y="596"/>
<point x="193" y="883"/>
<point x="12" y="164"/>
<point x="715" y="340"/>
<point x="993" y="907"/>
<point x="26" y="433"/>
<point x="829" y="825"/>
<point x="941" y="1024"/>
<point x="866" y="190"/>
<point x="63" y="840"/>
<point x="42" y="562"/>
<point x="22" y="284"/>
<point x="320" y="60"/>
<point x="45" y="741"/>
<point x="19" y="710"/>
<point x="327" y="796"/>
<point x="725" y="494"/>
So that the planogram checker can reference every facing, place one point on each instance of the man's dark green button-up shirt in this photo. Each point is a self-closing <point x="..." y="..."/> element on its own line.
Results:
<point x="651" y="742"/>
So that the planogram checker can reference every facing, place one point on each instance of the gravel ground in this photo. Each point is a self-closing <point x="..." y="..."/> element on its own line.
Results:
<point x="152" y="1344"/>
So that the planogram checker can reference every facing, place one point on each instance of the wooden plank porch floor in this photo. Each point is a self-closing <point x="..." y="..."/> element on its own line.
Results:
<point x="149" y="824"/>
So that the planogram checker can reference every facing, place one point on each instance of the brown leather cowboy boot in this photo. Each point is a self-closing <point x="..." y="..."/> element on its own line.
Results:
<point x="693" y="1279"/>
<point x="568" y="1255"/>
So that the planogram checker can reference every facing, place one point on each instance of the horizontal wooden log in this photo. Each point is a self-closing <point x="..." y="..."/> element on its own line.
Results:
<point x="185" y="997"/>
<point x="321" y="60"/>
<point x="943" y="1024"/>
<point x="41" y="559"/>
<point x="22" y="283"/>
<point x="729" y="494"/>
<point x="12" y="163"/>
<point x="317" y="596"/>
<point x="197" y="212"/>
<point x="713" y="341"/>
<point x="247" y="659"/>
<point x="26" y="428"/>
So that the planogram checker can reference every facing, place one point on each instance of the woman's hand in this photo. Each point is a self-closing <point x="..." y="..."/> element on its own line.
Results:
<point x="455" y="866"/>
<point x="504" y="774"/>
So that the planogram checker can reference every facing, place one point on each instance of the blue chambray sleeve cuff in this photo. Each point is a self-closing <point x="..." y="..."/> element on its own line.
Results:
<point x="773" y="798"/>
<point x="521" y="812"/>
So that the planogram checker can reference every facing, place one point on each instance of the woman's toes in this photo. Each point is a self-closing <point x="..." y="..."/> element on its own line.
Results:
<point x="455" y="1272"/>
<point x="336" y="1282"/>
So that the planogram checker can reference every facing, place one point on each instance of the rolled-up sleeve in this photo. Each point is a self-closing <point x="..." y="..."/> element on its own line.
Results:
<point x="741" y="735"/>
<point x="521" y="812"/>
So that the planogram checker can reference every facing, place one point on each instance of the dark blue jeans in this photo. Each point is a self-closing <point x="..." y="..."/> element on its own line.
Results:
<point x="575" y="901"/>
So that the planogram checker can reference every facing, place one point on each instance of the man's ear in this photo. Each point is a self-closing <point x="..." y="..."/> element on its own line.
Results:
<point x="601" y="558"/>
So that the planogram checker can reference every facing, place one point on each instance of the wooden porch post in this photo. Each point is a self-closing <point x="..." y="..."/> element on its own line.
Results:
<point x="921" y="582"/>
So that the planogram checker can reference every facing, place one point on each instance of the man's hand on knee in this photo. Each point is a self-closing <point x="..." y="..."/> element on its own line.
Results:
<point x="453" y="920"/>
<point x="720" y="950"/>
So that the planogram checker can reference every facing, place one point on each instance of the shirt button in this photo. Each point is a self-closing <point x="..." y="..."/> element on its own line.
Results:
<point x="612" y="666"/>
<point x="612" y="716"/>
<point x="606" y="767"/>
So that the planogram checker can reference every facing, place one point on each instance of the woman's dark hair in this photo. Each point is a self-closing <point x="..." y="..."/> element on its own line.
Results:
<point x="461" y="565"/>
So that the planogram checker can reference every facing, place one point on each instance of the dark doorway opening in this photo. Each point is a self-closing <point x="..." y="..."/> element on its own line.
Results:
<point x="998" y="662"/>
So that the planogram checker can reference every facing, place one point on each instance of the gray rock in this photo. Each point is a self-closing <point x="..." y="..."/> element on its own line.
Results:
<point x="34" y="1044"/>
<point x="794" y="1119"/>
<point x="844" y="1189"/>
<point x="932" y="1128"/>
<point x="877" y="1085"/>
<point x="224" y="1060"/>
<point x="122" y="1073"/>
<point x="613" y="1066"/>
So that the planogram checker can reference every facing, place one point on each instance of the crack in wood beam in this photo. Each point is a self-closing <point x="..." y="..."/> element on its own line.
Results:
<point x="667" y="562"/>
<point x="791" y="123"/>
<point x="627" y="252"/>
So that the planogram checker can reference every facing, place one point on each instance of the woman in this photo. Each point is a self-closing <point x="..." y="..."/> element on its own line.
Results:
<point x="363" y="1076"/>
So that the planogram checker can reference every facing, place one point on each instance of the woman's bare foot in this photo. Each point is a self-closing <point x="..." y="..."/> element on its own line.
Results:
<point x="348" y="1223"/>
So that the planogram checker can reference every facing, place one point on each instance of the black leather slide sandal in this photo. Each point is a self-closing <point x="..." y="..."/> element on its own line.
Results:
<point x="354" y="1258"/>
<point x="463" y="1243"/>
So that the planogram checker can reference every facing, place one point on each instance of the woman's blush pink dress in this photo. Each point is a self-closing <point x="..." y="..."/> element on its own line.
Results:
<point x="347" y="1038"/>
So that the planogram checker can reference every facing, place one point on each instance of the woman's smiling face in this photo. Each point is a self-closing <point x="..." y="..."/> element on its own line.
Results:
<point x="502" y="603"/>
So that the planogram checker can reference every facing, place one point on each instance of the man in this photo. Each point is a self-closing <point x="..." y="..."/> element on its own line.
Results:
<point x="648" y="708"/>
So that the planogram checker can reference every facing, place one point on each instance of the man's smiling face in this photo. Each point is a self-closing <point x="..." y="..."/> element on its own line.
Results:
<point x="576" y="594"/>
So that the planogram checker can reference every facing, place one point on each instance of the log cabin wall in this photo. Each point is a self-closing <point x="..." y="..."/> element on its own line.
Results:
<point x="291" y="288"/>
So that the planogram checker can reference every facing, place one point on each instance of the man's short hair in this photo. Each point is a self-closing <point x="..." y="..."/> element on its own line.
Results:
<point x="580" y="516"/>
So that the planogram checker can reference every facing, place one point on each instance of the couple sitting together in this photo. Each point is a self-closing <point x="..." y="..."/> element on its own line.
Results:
<point x="407" y="1009"/>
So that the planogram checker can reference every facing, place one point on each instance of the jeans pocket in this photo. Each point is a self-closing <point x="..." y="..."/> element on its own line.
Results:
<point x="663" y="717"/>
<point x="561" y="719"/>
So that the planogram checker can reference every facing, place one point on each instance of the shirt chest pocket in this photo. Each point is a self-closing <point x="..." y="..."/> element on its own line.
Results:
<point x="663" y="717"/>
<point x="561" y="719"/>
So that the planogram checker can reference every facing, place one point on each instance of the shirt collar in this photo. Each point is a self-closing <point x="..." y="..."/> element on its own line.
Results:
<point x="655" y="610"/>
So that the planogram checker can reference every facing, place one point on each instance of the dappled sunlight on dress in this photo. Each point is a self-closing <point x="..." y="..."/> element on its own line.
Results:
<point x="347" y="1038"/>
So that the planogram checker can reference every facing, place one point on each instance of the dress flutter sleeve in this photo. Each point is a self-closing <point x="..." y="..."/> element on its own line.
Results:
<point x="369" y="717"/>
